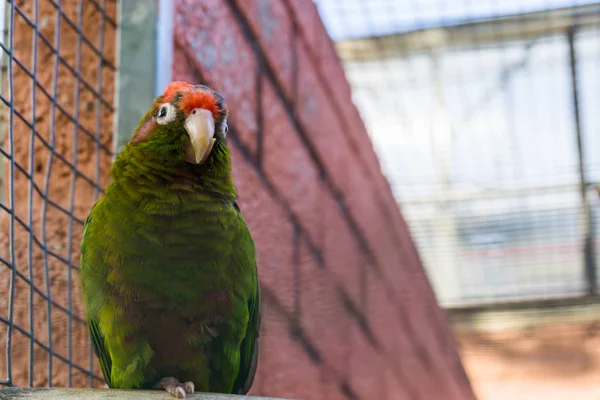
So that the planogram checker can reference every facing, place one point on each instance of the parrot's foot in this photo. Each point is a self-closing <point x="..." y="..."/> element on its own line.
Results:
<point x="175" y="388"/>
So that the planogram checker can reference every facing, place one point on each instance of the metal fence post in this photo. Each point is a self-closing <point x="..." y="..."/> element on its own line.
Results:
<point x="588" y="248"/>
<point x="4" y="32"/>
<point x="137" y="70"/>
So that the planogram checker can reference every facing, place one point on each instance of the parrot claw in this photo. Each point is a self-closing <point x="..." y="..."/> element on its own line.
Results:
<point x="189" y="387"/>
<point x="212" y="331"/>
<point x="175" y="388"/>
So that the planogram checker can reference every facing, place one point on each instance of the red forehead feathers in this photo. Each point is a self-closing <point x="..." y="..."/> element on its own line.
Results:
<point x="199" y="99"/>
<point x="191" y="98"/>
<point x="173" y="88"/>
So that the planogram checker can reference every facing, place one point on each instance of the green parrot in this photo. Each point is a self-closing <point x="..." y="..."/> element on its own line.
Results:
<point x="168" y="265"/>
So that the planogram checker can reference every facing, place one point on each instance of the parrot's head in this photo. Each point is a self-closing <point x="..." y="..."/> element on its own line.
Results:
<point x="185" y="125"/>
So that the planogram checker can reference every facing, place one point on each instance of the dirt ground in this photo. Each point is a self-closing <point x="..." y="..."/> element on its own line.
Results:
<point x="72" y="145"/>
<point x="552" y="361"/>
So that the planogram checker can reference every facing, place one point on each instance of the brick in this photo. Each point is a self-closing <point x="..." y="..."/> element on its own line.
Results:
<point x="307" y="17"/>
<point x="322" y="313"/>
<point x="272" y="25"/>
<point x="331" y="389"/>
<point x="320" y="124"/>
<point x="443" y="332"/>
<point x="284" y="368"/>
<point x="364" y="361"/>
<point x="341" y="251"/>
<point x="392" y="263"/>
<point x="391" y="254"/>
<point x="393" y="388"/>
<point x="378" y="215"/>
<point x="401" y="234"/>
<point x="415" y="379"/>
<point x="209" y="35"/>
<point x="360" y="199"/>
<point x="183" y="68"/>
<point x="271" y="229"/>
<point x="424" y="341"/>
<point x="362" y="205"/>
<point x="384" y="319"/>
<point x="322" y="39"/>
<point x="333" y="78"/>
<point x="432" y="331"/>
<point x="289" y="165"/>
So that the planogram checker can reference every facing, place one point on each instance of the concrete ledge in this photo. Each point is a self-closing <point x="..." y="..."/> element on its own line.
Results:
<point x="101" y="394"/>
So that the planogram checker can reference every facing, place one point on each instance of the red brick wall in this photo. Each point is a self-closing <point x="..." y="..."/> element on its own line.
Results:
<point x="348" y="311"/>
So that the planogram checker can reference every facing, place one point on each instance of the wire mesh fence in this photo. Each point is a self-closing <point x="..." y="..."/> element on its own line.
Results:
<point x="485" y="116"/>
<point x="56" y="93"/>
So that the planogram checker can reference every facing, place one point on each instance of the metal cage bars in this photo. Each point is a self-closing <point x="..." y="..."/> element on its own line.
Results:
<point x="8" y="178"/>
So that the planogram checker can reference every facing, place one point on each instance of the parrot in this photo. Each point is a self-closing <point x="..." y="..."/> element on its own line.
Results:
<point x="168" y="265"/>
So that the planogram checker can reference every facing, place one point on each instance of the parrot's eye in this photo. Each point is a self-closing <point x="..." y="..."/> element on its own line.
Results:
<point x="166" y="113"/>
<point x="225" y="128"/>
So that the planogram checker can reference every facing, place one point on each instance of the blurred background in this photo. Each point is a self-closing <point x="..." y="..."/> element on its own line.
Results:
<point x="485" y="120"/>
<point x="472" y="269"/>
<point x="485" y="117"/>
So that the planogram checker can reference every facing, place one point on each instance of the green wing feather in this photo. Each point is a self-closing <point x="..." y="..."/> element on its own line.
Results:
<point x="96" y="335"/>
<point x="249" y="347"/>
<point x="100" y="349"/>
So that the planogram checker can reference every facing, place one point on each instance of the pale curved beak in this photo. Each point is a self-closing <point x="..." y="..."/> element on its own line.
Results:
<point x="200" y="127"/>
